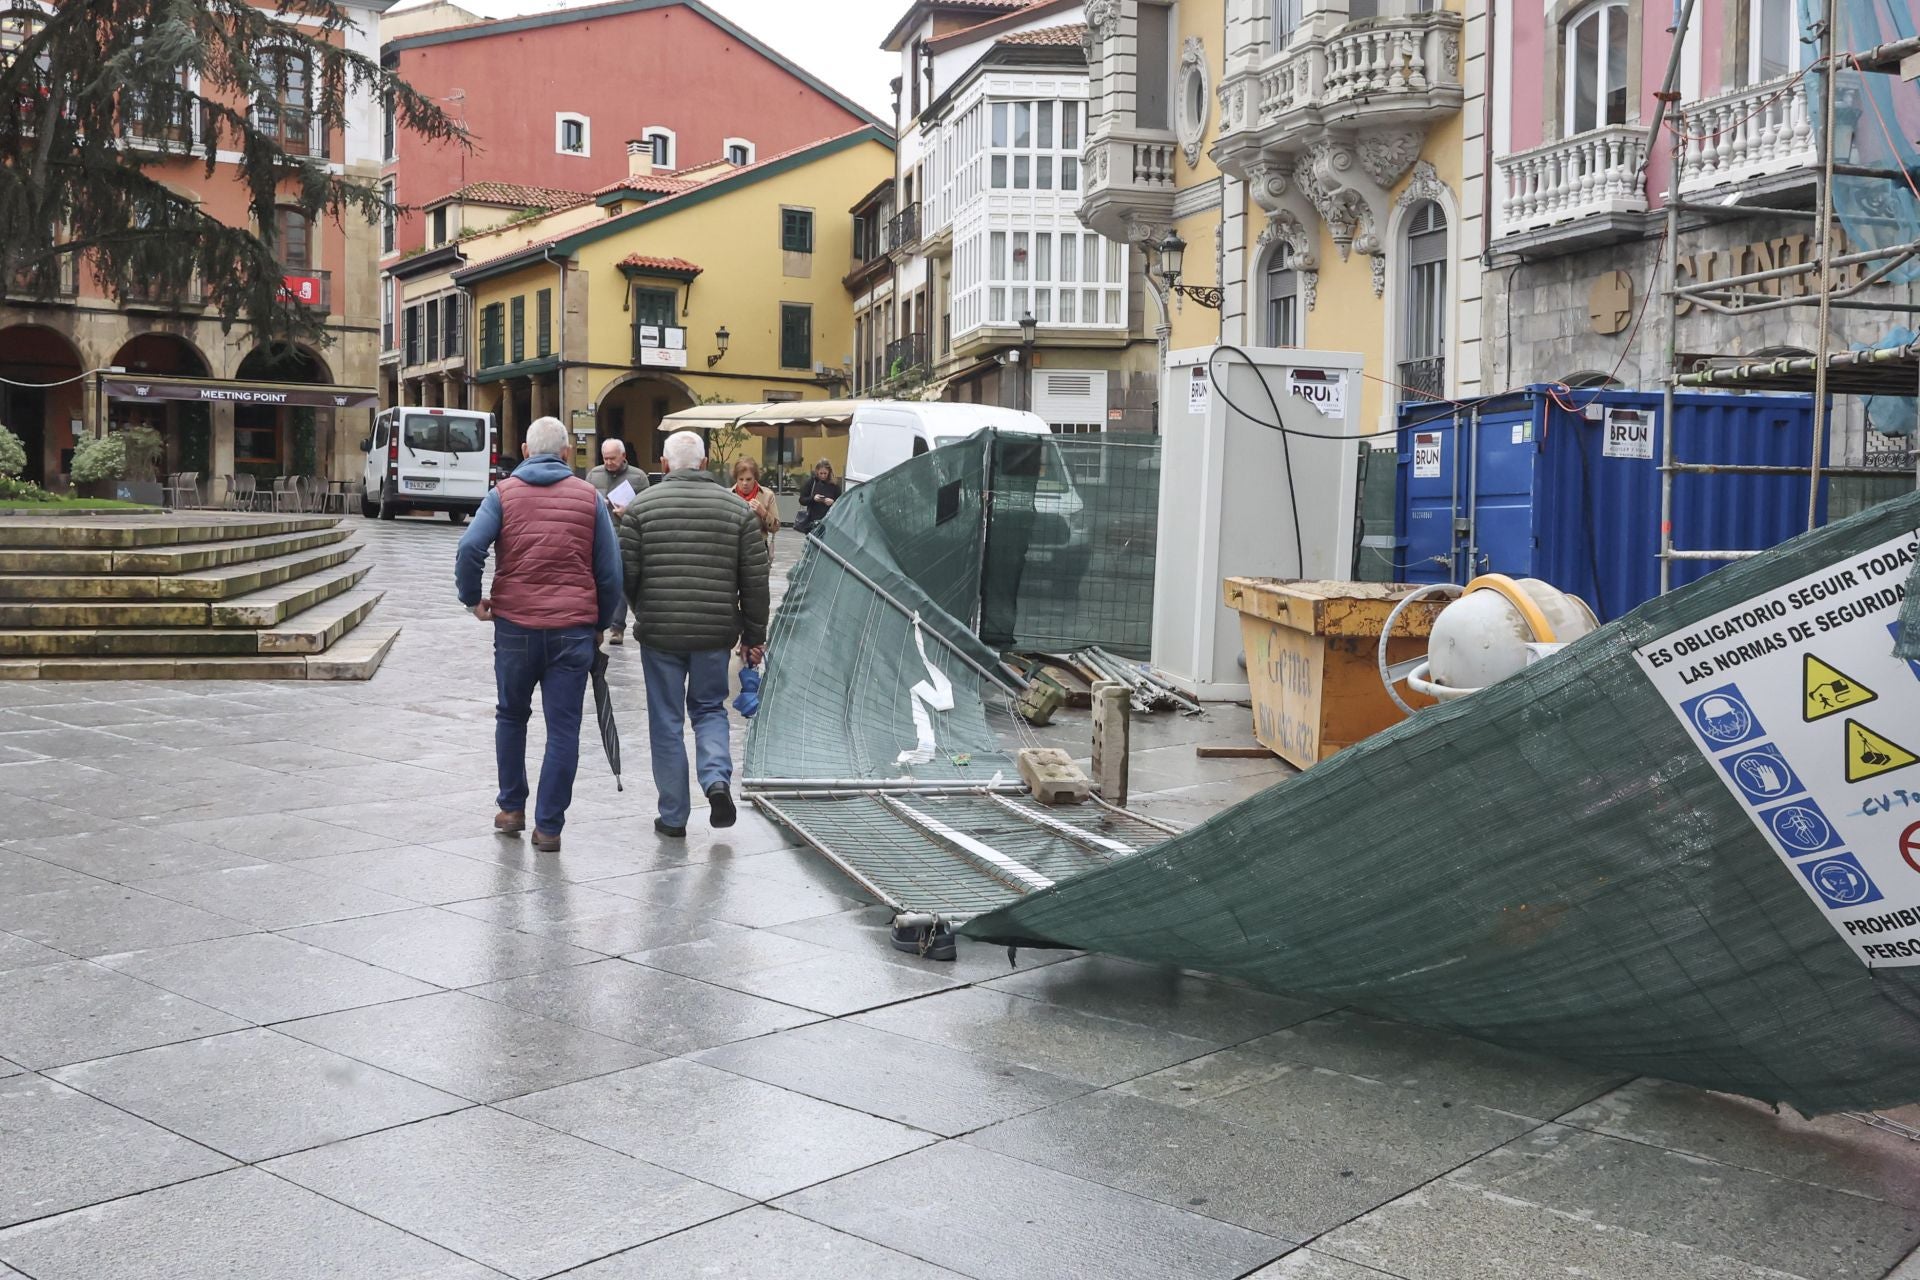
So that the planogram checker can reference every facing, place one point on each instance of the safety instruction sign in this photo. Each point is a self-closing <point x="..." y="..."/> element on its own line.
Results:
<point x="1814" y="727"/>
<point x="1426" y="455"/>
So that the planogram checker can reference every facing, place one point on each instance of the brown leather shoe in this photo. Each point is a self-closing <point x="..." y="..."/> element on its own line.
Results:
<point x="510" y="822"/>
<point x="546" y="843"/>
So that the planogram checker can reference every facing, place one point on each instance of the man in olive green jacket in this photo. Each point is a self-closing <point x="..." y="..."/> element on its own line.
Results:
<point x="696" y="578"/>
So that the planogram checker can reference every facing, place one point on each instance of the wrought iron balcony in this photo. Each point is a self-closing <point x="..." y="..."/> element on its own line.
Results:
<point x="1592" y="175"/>
<point x="1422" y="379"/>
<point x="1751" y="133"/>
<point x="903" y="231"/>
<point x="906" y="355"/>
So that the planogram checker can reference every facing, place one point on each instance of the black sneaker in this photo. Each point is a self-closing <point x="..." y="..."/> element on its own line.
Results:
<point x="718" y="796"/>
<point x="677" y="833"/>
<point x="928" y="941"/>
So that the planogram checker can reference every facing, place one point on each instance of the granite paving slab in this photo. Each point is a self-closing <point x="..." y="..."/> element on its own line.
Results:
<point x="477" y="1049"/>
<point x="106" y="918"/>
<point x="1832" y="1151"/>
<point x="1757" y="1218"/>
<point x="59" y="1013"/>
<point x="63" y="1150"/>
<point x="1446" y="1231"/>
<point x="423" y="875"/>
<point x="733" y="896"/>
<point x="127" y="854"/>
<point x="18" y="953"/>
<point x="506" y="1192"/>
<point x="988" y="1216"/>
<point x="279" y="837"/>
<point x="256" y="1094"/>
<point x="1165" y="998"/>
<point x="751" y="1138"/>
<point x="663" y="1011"/>
<point x="770" y="1244"/>
<point x="944" y="1091"/>
<point x="1435" y="1062"/>
<point x="271" y="896"/>
<point x="1045" y="1037"/>
<point x="242" y="1223"/>
<point x="264" y="977"/>
<point x="21" y="875"/>
<point x="867" y="931"/>
<point x="441" y="947"/>
<point x="838" y="984"/>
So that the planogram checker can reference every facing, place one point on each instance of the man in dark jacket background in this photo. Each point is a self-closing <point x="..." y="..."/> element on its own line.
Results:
<point x="696" y="578"/>
<point x="613" y="472"/>
<point x="556" y="588"/>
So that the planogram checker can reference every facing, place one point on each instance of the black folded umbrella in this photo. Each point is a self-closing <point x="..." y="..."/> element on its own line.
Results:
<point x="603" y="712"/>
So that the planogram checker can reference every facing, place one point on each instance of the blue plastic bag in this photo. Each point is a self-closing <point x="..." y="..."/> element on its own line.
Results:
<point x="749" y="700"/>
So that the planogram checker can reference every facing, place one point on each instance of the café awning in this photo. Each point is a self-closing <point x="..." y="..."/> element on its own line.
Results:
<point x="217" y="391"/>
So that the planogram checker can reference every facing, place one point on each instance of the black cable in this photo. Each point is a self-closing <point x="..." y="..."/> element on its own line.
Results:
<point x="1286" y="446"/>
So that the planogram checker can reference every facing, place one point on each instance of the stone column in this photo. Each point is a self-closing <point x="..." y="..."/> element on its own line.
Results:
<point x="509" y="422"/>
<point x="537" y="398"/>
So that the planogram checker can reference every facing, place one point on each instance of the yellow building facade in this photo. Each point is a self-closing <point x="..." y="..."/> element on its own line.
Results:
<point x="713" y="286"/>
<point x="1323" y="166"/>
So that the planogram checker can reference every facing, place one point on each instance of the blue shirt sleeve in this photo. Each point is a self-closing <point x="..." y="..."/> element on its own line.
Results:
<point x="471" y="559"/>
<point x="607" y="572"/>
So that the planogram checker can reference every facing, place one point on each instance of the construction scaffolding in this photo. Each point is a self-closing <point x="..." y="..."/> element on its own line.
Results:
<point x="1879" y="204"/>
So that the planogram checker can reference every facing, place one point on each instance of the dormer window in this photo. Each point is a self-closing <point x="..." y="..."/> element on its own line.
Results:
<point x="572" y="134"/>
<point x="739" y="152"/>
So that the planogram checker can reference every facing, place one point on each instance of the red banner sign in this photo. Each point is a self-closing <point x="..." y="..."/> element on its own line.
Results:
<point x="302" y="289"/>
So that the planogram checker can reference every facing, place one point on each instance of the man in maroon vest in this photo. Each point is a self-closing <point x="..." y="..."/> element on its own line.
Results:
<point x="556" y="587"/>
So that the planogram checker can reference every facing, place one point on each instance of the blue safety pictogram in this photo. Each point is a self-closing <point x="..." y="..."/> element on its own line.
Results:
<point x="1801" y="828"/>
<point x="1762" y="774"/>
<point x="1894" y="629"/>
<point x="1840" y="881"/>
<point x="1722" y="718"/>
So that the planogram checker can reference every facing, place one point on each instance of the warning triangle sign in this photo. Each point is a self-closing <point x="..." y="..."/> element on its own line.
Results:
<point x="1826" y="690"/>
<point x="1869" y="754"/>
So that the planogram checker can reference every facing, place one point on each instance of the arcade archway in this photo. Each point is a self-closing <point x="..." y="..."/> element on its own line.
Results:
<point x="42" y="397"/>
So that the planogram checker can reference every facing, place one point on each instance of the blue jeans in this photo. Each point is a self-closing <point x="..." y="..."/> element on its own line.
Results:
<point x="558" y="662"/>
<point x="682" y="686"/>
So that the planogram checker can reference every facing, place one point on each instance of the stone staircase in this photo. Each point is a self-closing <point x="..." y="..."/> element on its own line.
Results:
<point x="194" y="596"/>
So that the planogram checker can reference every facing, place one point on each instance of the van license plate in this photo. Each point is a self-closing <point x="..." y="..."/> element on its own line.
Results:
<point x="420" y="484"/>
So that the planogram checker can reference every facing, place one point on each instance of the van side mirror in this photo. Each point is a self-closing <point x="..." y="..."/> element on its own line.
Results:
<point x="366" y="444"/>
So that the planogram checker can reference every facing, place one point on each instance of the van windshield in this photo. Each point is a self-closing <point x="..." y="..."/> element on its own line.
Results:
<point x="1037" y="457"/>
<point x="441" y="433"/>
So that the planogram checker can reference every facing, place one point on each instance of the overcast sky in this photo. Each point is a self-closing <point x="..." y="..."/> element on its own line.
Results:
<point x="837" y="40"/>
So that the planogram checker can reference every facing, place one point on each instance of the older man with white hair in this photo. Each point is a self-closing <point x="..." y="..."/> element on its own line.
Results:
<point x="556" y="589"/>
<point x="696" y="575"/>
<point x="618" y="482"/>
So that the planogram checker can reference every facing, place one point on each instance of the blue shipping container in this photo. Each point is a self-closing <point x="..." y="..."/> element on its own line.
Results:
<point x="1526" y="486"/>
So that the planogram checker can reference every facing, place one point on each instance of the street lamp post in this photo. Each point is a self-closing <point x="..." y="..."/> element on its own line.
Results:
<point x="1173" y="258"/>
<point x="720" y="340"/>
<point x="1028" y="328"/>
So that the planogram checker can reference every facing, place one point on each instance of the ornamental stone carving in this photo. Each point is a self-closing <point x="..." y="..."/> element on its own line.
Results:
<point x="1426" y="185"/>
<point x="1385" y="154"/>
<point x="1102" y="17"/>
<point x="1191" y="115"/>
<point x="1286" y="229"/>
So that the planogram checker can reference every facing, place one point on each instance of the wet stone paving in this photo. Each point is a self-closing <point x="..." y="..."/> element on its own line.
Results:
<point x="276" y="1004"/>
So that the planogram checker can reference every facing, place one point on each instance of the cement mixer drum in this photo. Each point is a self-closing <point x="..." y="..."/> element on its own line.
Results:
<point x="1498" y="627"/>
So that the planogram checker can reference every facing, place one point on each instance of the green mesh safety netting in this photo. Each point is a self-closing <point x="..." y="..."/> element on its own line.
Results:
<point x="1907" y="643"/>
<point x="995" y="542"/>
<point x="1550" y="864"/>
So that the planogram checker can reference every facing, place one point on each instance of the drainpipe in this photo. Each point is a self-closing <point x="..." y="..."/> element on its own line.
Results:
<point x="560" y="342"/>
<point x="1486" y="142"/>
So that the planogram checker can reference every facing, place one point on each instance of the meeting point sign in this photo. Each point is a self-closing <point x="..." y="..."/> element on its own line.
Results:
<point x="310" y="397"/>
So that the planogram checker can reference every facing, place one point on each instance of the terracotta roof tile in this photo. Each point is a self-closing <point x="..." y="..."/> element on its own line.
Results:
<point x="518" y="195"/>
<point x="677" y="265"/>
<point x="1070" y="34"/>
<point x="659" y="183"/>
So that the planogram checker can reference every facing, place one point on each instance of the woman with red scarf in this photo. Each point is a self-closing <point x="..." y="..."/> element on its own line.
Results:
<point x="746" y="484"/>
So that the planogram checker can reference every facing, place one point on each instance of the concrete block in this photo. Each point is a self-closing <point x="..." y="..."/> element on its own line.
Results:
<point x="1112" y="733"/>
<point x="1054" y="777"/>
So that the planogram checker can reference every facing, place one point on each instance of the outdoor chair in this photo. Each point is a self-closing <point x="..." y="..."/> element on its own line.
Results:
<point x="286" y="493"/>
<point x="182" y="489"/>
<point x="246" y="492"/>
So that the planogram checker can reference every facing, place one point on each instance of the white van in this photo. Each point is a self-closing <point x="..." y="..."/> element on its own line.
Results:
<point x="421" y="459"/>
<point x="885" y="433"/>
